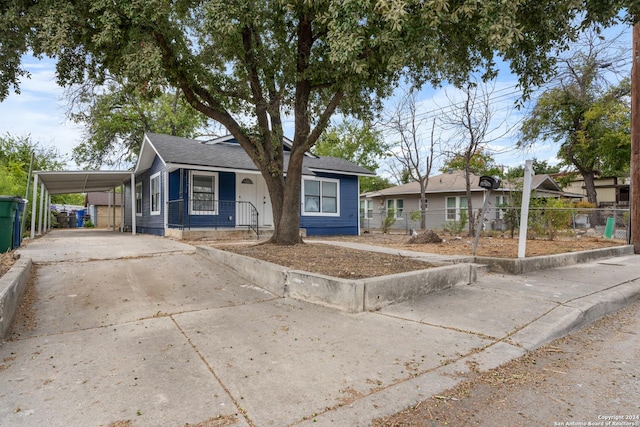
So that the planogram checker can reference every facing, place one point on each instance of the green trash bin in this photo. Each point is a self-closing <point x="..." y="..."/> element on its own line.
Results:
<point x="8" y="208"/>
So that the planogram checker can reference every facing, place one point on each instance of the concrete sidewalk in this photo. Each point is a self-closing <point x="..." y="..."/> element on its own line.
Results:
<point x="143" y="329"/>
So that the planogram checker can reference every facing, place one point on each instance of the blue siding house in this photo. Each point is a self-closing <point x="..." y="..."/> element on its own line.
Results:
<point x="186" y="186"/>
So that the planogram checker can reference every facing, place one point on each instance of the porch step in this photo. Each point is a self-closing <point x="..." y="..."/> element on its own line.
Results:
<point x="220" y="234"/>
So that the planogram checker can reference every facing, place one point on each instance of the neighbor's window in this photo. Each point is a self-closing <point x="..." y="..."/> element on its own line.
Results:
<point x="366" y="209"/>
<point x="397" y="205"/>
<point x="139" y="198"/>
<point x="454" y="206"/>
<point x="500" y="201"/>
<point x="320" y="196"/>
<point x="155" y="194"/>
<point x="203" y="193"/>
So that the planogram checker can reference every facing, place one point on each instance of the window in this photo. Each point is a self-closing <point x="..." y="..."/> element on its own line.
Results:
<point x="203" y="193"/>
<point x="454" y="206"/>
<point x="320" y="197"/>
<point x="155" y="194"/>
<point x="500" y="201"/>
<point x="139" y="198"/>
<point x="366" y="209"/>
<point x="397" y="205"/>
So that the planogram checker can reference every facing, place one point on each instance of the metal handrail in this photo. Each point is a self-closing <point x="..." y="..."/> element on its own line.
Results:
<point x="225" y="213"/>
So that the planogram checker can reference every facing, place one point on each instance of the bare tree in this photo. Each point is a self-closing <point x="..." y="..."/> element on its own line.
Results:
<point x="472" y="130"/>
<point x="412" y="156"/>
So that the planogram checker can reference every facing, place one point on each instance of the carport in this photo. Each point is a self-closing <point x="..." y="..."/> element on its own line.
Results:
<point x="67" y="182"/>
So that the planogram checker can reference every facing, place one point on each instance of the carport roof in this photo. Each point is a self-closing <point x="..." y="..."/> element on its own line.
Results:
<point x="65" y="182"/>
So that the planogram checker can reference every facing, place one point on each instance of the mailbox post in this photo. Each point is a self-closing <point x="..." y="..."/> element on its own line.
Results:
<point x="488" y="183"/>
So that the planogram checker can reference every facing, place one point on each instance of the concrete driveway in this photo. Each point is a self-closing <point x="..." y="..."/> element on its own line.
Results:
<point x="140" y="329"/>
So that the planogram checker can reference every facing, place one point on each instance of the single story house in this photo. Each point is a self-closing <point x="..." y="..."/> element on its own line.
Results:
<point x="104" y="208"/>
<point x="446" y="198"/>
<point x="183" y="184"/>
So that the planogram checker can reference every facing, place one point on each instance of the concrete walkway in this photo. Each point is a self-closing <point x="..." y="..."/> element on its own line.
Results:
<point x="141" y="328"/>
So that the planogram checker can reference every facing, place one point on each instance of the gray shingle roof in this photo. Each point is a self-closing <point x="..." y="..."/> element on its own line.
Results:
<point x="231" y="155"/>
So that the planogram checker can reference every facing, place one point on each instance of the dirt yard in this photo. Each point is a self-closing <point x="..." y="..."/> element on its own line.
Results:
<point x="7" y="260"/>
<point x="350" y="263"/>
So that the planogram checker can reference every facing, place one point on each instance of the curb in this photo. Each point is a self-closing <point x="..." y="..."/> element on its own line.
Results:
<point x="576" y="314"/>
<point x="12" y="287"/>
<point x="526" y="265"/>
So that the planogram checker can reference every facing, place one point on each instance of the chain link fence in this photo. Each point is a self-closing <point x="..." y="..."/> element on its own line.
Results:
<point x="543" y="222"/>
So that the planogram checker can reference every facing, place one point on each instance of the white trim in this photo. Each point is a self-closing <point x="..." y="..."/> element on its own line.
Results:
<point x="151" y="178"/>
<point x="173" y="166"/>
<point x="397" y="214"/>
<point x="133" y="204"/>
<point x="458" y="207"/>
<point x="313" y="213"/>
<point x="216" y="186"/>
<point x="339" y="172"/>
<point x="165" y="187"/>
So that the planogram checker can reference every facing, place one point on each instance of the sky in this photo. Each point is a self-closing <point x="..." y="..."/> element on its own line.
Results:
<point x="40" y="112"/>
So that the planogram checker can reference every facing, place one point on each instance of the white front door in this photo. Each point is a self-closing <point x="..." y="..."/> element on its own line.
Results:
<point x="252" y="188"/>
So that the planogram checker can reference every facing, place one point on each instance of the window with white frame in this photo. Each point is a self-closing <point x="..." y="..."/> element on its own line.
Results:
<point x="155" y="194"/>
<point x="320" y="196"/>
<point x="203" y="193"/>
<point x="366" y="209"/>
<point x="454" y="206"/>
<point x="500" y="201"/>
<point x="139" y="198"/>
<point x="397" y="206"/>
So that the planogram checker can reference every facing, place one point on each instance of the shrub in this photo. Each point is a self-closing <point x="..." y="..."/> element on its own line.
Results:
<point x="388" y="220"/>
<point x="456" y="227"/>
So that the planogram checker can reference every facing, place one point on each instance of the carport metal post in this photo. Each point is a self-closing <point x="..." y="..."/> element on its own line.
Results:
<point x="49" y="213"/>
<point x="34" y="206"/>
<point x="133" y="204"/>
<point x="47" y="209"/>
<point x="42" y="190"/>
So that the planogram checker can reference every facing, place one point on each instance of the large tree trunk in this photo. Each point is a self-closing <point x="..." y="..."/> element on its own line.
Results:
<point x="590" y="186"/>
<point x="469" y="203"/>
<point x="286" y="205"/>
<point x="423" y="202"/>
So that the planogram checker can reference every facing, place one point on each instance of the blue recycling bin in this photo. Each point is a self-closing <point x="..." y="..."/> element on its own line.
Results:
<point x="81" y="218"/>
<point x="17" y="224"/>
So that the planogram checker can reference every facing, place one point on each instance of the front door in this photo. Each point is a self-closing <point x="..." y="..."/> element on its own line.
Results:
<point x="252" y="188"/>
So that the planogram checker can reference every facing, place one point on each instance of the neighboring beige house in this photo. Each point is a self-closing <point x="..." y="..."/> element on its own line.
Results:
<point x="611" y="191"/>
<point x="104" y="208"/>
<point x="446" y="199"/>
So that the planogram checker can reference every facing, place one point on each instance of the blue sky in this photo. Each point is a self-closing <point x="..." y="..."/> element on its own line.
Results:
<point x="39" y="111"/>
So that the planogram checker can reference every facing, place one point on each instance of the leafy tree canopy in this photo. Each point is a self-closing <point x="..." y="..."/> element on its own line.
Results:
<point x="15" y="158"/>
<point x="250" y="65"/>
<point x="481" y="163"/>
<point x="540" y="167"/>
<point x="360" y="143"/>
<point x="588" y="116"/>
<point x="116" y="119"/>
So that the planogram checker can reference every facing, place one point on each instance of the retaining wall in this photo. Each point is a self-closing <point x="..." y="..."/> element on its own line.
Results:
<point x="526" y="265"/>
<point x="12" y="287"/>
<point x="344" y="294"/>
